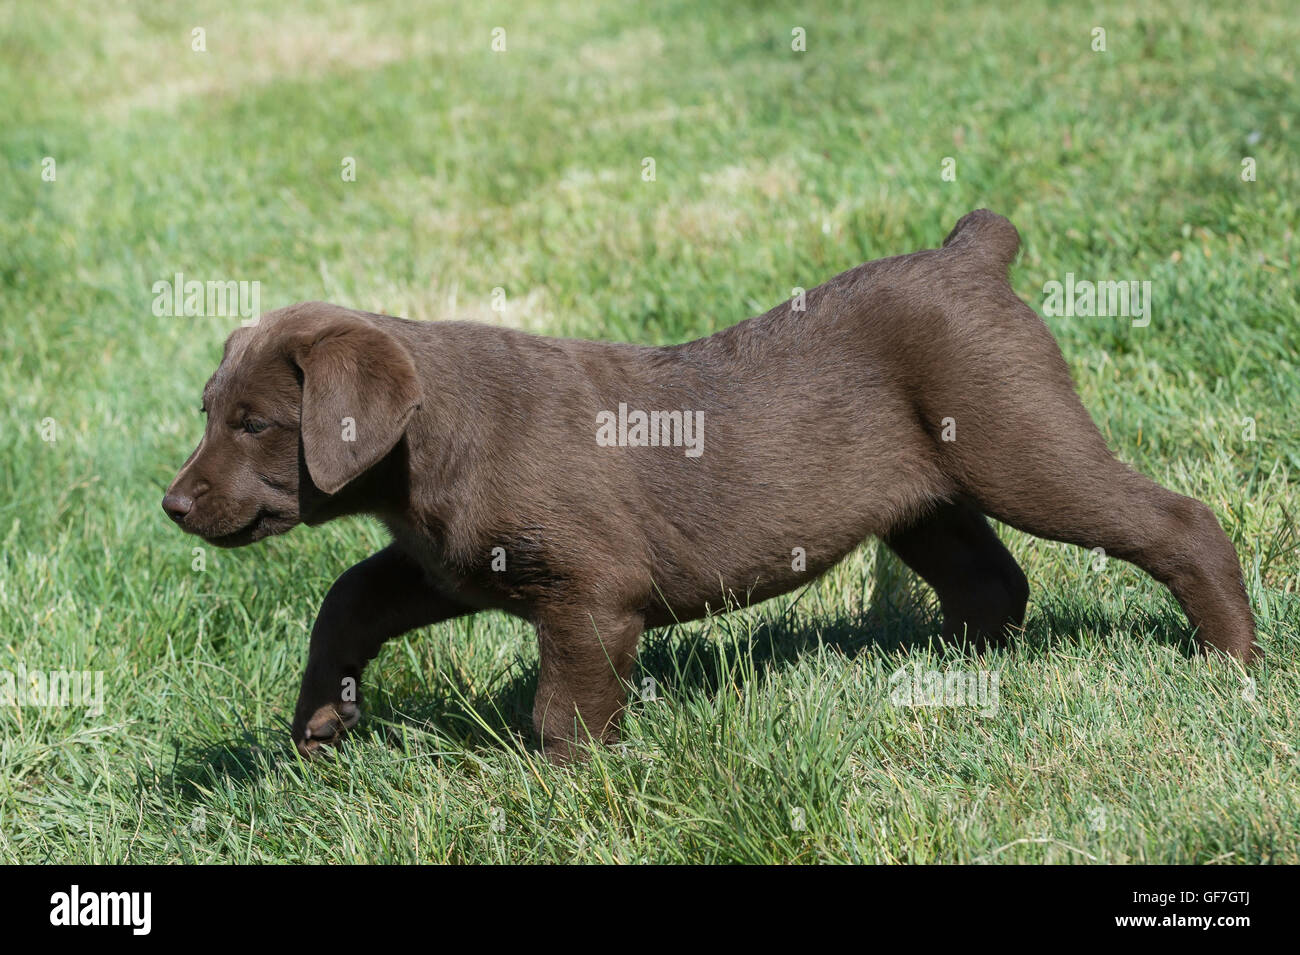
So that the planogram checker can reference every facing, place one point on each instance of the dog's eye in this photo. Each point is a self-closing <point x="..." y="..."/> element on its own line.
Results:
<point x="254" y="426"/>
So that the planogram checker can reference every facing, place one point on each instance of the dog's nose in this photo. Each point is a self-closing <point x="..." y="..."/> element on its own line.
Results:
<point x="177" y="506"/>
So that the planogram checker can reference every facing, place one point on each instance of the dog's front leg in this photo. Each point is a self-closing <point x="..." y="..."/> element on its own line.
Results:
<point x="586" y="662"/>
<point x="380" y="598"/>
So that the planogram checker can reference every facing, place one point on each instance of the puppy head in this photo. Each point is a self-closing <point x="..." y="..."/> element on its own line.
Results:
<point x="302" y="404"/>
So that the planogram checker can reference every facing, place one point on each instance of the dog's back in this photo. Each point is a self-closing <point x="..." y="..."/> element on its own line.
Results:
<point x="816" y="428"/>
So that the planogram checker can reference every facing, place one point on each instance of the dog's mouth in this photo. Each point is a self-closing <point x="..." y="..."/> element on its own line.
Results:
<point x="263" y="524"/>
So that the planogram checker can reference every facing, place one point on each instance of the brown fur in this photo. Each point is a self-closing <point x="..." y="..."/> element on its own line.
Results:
<point x="821" y="428"/>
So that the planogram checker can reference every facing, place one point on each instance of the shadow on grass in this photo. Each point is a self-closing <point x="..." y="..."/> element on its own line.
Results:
<point x="731" y="650"/>
<point x="200" y="764"/>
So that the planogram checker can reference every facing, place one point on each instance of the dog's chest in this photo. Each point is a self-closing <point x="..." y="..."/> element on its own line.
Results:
<point x="509" y="571"/>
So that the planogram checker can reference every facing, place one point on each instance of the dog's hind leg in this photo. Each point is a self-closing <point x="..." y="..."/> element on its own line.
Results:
<point x="982" y="590"/>
<point x="1032" y="458"/>
<point x="1019" y="442"/>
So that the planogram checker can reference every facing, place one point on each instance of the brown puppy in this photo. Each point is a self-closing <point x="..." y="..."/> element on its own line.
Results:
<point x="599" y="489"/>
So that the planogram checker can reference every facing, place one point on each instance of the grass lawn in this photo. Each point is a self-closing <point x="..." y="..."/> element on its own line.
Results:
<point x="772" y="735"/>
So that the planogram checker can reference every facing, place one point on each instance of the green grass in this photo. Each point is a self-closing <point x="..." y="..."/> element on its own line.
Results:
<point x="773" y="738"/>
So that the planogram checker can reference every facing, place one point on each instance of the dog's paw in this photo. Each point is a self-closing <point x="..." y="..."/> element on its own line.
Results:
<point x="326" y="727"/>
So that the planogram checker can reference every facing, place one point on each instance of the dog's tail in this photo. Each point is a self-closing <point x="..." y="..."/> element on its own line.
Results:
<point x="987" y="237"/>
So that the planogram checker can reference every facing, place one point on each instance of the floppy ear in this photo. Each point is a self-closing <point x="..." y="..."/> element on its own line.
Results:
<point x="359" y="390"/>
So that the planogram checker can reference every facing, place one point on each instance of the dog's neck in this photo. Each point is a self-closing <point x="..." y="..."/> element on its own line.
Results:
<point x="381" y="490"/>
